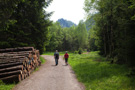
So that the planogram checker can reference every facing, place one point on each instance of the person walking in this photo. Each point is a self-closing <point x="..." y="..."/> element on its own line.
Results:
<point x="56" y="57"/>
<point x="66" y="58"/>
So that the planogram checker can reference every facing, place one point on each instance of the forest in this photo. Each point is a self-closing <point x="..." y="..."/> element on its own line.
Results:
<point x="114" y="29"/>
<point x="107" y="34"/>
<point x="24" y="23"/>
<point x="109" y="30"/>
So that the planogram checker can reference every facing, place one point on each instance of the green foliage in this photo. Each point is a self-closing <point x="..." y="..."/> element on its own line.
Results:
<point x="80" y="51"/>
<point x="24" y="23"/>
<point x="89" y="23"/>
<point x="75" y="52"/>
<point x="64" y="39"/>
<point x="82" y="36"/>
<point x="92" y="39"/>
<point x="52" y="53"/>
<point x="4" y="86"/>
<point x="113" y="33"/>
<point x="132" y="6"/>
<point x="42" y="60"/>
<point x="56" y="37"/>
<point x="96" y="74"/>
<point x="37" y="68"/>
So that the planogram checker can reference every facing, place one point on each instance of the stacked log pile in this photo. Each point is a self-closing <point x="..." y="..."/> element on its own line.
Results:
<point x="18" y="63"/>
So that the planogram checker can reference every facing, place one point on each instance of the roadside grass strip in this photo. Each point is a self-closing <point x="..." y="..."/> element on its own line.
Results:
<point x="97" y="74"/>
<point x="4" y="86"/>
<point x="42" y="60"/>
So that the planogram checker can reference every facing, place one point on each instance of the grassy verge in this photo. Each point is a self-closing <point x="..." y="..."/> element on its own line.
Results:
<point x="4" y="86"/>
<point x="42" y="60"/>
<point x="96" y="74"/>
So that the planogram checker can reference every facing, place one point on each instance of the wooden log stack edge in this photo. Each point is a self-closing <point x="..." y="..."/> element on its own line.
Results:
<point x="18" y="63"/>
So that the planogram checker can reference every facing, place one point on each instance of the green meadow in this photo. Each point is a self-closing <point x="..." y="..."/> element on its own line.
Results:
<point x="97" y="74"/>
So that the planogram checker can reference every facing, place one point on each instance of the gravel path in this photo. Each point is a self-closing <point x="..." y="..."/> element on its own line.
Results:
<point x="51" y="77"/>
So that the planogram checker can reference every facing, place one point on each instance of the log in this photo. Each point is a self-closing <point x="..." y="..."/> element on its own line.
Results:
<point x="39" y="63"/>
<point x="11" y="61"/>
<point x="13" y="54"/>
<point x="8" y="60"/>
<point x="20" y="52"/>
<point x="19" y="67"/>
<point x="27" y="68"/>
<point x="17" y="49"/>
<point x="24" y="71"/>
<point x="12" y="79"/>
<point x="14" y="60"/>
<point x="5" y="74"/>
<point x="25" y="48"/>
<point x="19" y="77"/>
<point x="10" y="64"/>
<point x="28" y="73"/>
<point x="22" y="76"/>
<point x="9" y="77"/>
<point x="12" y="57"/>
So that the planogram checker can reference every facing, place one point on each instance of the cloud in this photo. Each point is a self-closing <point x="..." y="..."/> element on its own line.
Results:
<point x="68" y="9"/>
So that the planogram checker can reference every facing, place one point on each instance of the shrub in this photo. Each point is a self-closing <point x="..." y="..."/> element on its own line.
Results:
<point x="76" y="52"/>
<point x="80" y="51"/>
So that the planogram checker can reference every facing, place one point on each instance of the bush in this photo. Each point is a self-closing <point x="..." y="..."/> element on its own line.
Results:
<point x="76" y="52"/>
<point x="85" y="50"/>
<point x="80" y="51"/>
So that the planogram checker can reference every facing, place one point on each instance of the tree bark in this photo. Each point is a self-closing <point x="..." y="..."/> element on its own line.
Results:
<point x="10" y="64"/>
<point x="6" y="74"/>
<point x="20" y="67"/>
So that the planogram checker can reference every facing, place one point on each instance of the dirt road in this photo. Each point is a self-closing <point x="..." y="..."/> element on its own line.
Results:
<point x="51" y="77"/>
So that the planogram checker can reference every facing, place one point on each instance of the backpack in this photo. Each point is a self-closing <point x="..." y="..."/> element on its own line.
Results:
<point x="56" y="55"/>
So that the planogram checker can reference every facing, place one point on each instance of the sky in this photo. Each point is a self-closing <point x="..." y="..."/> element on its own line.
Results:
<point x="71" y="10"/>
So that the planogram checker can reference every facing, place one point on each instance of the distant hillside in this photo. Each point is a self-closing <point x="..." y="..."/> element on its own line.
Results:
<point x="65" y="23"/>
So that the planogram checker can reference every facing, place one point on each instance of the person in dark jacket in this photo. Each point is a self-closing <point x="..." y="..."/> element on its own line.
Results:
<point x="56" y="56"/>
<point x="66" y="58"/>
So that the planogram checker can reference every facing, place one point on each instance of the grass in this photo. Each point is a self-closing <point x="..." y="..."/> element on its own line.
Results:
<point x="42" y="60"/>
<point x="4" y="86"/>
<point x="97" y="74"/>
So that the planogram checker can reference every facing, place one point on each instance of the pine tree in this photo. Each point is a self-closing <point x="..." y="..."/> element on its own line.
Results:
<point x="29" y="24"/>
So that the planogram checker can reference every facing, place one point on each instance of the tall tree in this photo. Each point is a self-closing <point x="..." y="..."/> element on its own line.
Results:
<point x="30" y="26"/>
<point x="82" y="35"/>
<point x="56" y="37"/>
<point x="7" y="8"/>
